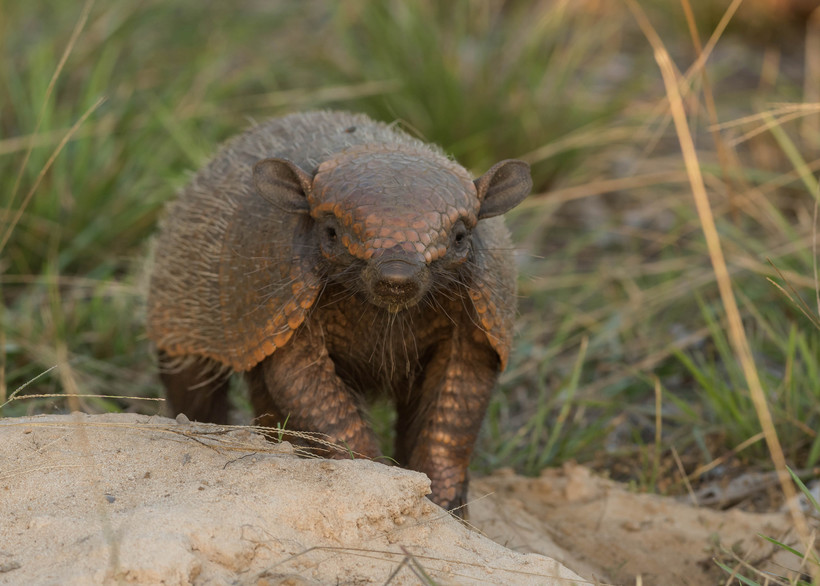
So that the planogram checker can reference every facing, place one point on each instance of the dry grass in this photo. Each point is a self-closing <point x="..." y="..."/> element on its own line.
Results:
<point x="737" y="332"/>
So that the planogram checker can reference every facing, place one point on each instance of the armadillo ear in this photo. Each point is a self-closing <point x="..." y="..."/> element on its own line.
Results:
<point x="503" y="187"/>
<point x="283" y="183"/>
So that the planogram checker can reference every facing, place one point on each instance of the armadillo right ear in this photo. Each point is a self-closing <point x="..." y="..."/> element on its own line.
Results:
<point x="283" y="183"/>
<point x="503" y="187"/>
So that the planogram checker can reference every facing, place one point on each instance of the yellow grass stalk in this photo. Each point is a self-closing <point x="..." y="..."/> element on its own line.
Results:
<point x="711" y="110"/>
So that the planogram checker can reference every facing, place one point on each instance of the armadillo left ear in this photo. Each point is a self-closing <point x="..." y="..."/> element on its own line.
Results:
<point x="283" y="183"/>
<point x="503" y="187"/>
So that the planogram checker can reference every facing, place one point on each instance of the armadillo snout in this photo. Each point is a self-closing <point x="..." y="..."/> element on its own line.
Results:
<point x="396" y="283"/>
<point x="396" y="278"/>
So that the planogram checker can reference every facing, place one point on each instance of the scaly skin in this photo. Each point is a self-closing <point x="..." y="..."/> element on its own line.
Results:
<point x="440" y="436"/>
<point x="298" y="388"/>
<point x="446" y="375"/>
<point x="375" y="192"/>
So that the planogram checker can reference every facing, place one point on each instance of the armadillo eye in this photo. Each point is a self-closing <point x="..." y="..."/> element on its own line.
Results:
<point x="460" y="238"/>
<point x="329" y="238"/>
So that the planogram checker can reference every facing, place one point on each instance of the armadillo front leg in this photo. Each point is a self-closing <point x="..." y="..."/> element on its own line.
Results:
<point x="450" y="403"/>
<point x="299" y="387"/>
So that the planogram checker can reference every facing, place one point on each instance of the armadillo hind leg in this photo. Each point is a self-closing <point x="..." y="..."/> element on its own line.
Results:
<point x="197" y="387"/>
<point x="264" y="407"/>
<point x="437" y="434"/>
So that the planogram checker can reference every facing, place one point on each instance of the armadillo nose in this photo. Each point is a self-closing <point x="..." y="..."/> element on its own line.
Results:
<point x="397" y="278"/>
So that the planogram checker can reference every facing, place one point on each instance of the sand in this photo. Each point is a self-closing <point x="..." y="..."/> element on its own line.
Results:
<point x="106" y="499"/>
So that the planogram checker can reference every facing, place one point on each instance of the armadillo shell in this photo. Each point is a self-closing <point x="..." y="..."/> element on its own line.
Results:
<point x="224" y="283"/>
<point x="228" y="281"/>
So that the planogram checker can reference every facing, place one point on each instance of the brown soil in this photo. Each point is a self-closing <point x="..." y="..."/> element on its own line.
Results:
<point x="132" y="499"/>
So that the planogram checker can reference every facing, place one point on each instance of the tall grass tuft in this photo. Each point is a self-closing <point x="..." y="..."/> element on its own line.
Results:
<point x="484" y="78"/>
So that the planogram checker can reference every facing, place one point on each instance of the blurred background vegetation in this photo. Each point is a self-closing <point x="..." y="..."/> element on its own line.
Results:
<point x="107" y="107"/>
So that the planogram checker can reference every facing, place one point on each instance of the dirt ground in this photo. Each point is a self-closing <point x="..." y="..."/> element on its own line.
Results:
<point x="146" y="500"/>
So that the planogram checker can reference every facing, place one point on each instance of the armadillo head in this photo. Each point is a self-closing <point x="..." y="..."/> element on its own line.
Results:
<point x="389" y="219"/>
